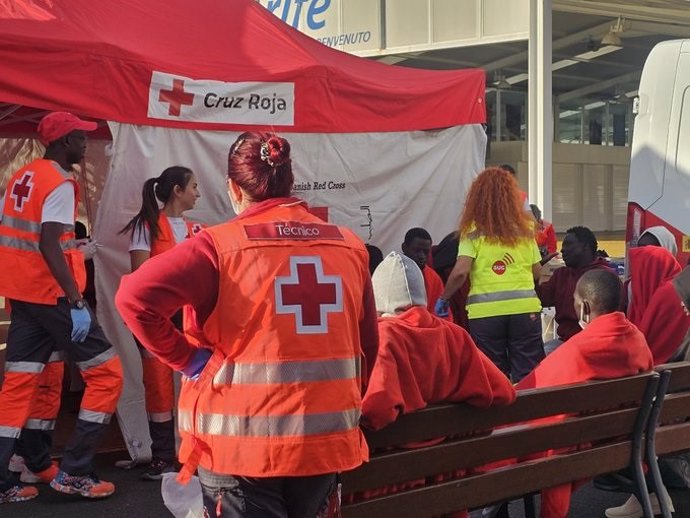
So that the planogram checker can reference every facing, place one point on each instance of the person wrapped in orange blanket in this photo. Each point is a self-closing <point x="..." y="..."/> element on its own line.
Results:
<point x="608" y="347"/>
<point x="422" y="359"/>
<point x="650" y="267"/>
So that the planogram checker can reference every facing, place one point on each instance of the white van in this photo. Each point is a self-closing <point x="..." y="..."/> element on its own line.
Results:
<point x="659" y="191"/>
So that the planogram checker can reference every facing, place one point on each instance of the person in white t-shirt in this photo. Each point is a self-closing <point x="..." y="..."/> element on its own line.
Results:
<point x="153" y="231"/>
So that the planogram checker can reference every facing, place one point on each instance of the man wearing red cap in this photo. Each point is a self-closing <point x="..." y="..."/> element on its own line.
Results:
<point x="43" y="277"/>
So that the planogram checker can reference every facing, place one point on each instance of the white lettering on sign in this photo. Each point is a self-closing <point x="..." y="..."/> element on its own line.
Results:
<point x="173" y="97"/>
<point x="287" y="230"/>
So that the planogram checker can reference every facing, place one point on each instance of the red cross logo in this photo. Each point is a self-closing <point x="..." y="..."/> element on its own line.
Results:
<point x="176" y="97"/>
<point x="22" y="190"/>
<point x="309" y="294"/>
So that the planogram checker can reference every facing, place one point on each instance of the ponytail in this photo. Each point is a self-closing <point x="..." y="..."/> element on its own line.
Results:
<point x="155" y="190"/>
<point x="148" y="214"/>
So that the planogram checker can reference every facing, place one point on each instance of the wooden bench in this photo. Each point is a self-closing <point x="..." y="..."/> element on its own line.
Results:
<point x="606" y="423"/>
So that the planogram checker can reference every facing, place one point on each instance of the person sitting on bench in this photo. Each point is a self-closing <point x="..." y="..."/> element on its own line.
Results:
<point x="422" y="359"/>
<point x="608" y="347"/>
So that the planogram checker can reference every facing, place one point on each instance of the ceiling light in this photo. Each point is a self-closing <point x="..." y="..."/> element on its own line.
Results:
<point x="501" y="82"/>
<point x="613" y="36"/>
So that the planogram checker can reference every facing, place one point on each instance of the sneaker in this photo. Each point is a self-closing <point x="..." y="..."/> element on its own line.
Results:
<point x="18" y="494"/>
<point x="88" y="486"/>
<point x="633" y="509"/>
<point x="157" y="468"/>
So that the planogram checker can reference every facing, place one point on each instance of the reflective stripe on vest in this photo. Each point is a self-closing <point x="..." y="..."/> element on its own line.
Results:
<point x="287" y="372"/>
<point x="270" y="426"/>
<point x="21" y="224"/>
<point x="501" y="295"/>
<point x="30" y="245"/>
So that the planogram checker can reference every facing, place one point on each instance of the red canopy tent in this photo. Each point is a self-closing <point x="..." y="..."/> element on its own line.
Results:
<point x="97" y="59"/>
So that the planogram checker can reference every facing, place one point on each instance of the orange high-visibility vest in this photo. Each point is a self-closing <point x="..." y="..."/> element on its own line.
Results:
<point x="281" y="394"/>
<point x="25" y="274"/>
<point x="166" y="238"/>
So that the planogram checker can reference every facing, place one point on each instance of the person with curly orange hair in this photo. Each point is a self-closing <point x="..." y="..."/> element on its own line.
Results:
<point x="499" y="254"/>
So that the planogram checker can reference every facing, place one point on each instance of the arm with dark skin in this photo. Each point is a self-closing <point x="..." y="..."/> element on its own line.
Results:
<point x="49" y="246"/>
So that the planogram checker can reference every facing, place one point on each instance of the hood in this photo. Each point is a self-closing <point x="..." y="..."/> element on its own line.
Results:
<point x="398" y="284"/>
<point x="665" y="237"/>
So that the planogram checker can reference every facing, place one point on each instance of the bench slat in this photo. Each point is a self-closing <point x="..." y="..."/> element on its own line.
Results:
<point x="673" y="438"/>
<point x="461" y="419"/>
<point x="496" y="486"/>
<point x="680" y="375"/>
<point x="403" y="466"/>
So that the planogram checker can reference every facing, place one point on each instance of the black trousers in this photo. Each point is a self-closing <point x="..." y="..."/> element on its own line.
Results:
<point x="227" y="496"/>
<point x="512" y="342"/>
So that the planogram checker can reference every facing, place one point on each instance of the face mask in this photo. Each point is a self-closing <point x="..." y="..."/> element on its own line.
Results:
<point x="584" y="319"/>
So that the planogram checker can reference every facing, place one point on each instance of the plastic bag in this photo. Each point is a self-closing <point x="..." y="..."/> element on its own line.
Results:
<point x="183" y="501"/>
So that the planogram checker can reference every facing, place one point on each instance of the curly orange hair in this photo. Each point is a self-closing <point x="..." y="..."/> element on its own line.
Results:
<point x="493" y="208"/>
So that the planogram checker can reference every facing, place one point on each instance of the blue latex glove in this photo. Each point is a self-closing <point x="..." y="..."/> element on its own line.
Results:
<point x="441" y="307"/>
<point x="197" y="363"/>
<point x="81" y="323"/>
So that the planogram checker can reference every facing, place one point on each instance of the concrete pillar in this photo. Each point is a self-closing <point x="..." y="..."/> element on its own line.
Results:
<point x="540" y="117"/>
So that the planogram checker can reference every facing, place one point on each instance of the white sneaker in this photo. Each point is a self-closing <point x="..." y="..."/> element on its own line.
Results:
<point x="633" y="509"/>
<point x="18" y="465"/>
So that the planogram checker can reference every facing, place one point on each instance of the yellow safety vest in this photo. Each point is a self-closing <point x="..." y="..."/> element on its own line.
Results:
<point x="501" y="277"/>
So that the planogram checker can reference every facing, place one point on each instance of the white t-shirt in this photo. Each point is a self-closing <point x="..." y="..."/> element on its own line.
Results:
<point x="141" y="237"/>
<point x="58" y="206"/>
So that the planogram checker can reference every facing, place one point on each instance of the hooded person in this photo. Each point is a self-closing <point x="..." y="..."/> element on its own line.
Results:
<point x="650" y="267"/>
<point x="422" y="359"/>
<point x="608" y="347"/>
<point x="659" y="236"/>
<point x="665" y="322"/>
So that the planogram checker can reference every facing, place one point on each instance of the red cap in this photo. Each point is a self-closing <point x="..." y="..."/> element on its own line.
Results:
<point x="58" y="124"/>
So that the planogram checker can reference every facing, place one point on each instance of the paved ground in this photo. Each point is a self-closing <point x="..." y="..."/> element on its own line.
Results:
<point x="140" y="499"/>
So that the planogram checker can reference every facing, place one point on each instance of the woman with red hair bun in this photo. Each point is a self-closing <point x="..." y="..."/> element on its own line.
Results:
<point x="498" y="253"/>
<point x="286" y="322"/>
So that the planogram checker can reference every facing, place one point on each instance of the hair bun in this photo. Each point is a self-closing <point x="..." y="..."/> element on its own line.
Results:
<point x="278" y="151"/>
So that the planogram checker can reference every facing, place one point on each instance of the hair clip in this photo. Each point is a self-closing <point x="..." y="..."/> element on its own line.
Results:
<point x="265" y="154"/>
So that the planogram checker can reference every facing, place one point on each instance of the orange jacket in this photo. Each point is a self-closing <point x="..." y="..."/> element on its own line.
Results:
<point x="24" y="274"/>
<point x="166" y="239"/>
<point x="281" y="394"/>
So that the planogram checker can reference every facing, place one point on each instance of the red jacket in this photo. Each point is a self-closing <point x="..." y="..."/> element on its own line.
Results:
<point x="424" y="359"/>
<point x="558" y="292"/>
